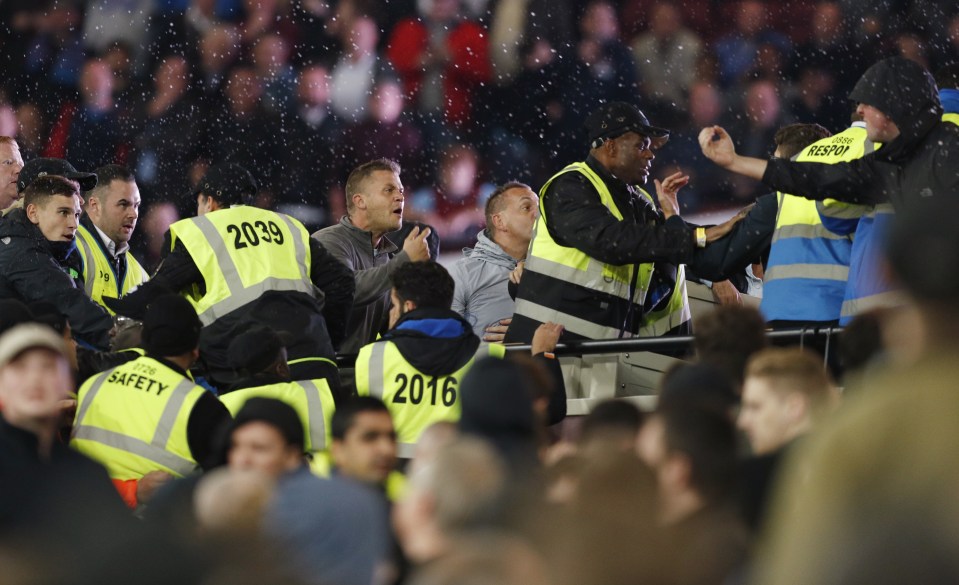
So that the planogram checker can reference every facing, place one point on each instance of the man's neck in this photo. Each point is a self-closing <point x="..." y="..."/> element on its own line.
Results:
<point x="361" y="223"/>
<point x="112" y="247"/>
<point x="513" y="246"/>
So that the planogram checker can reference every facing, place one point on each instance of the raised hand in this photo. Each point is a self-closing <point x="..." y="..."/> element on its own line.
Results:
<point x="667" y="192"/>
<point x="717" y="145"/>
<point x="415" y="244"/>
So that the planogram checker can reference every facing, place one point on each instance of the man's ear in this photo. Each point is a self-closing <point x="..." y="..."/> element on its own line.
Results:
<point x="359" y="201"/>
<point x="408" y="306"/>
<point x="498" y="223"/>
<point x="33" y="213"/>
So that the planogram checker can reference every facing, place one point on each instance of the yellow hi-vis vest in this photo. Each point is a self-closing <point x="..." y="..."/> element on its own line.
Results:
<point x="311" y="399"/>
<point x="415" y="400"/>
<point x="100" y="279"/>
<point x="133" y="419"/>
<point x="243" y="252"/>
<point x="570" y="265"/>
<point x="954" y="118"/>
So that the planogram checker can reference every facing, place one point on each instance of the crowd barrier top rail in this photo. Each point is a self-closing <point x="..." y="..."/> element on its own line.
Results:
<point x="653" y="344"/>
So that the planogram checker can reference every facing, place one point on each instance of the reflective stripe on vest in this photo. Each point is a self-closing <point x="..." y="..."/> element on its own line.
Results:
<point x="131" y="435"/>
<point x="954" y="118"/>
<point x="311" y="399"/>
<point x="99" y="276"/>
<point x="237" y="252"/>
<point x="411" y="416"/>
<point x="884" y="300"/>
<point x="570" y="323"/>
<point x="571" y="265"/>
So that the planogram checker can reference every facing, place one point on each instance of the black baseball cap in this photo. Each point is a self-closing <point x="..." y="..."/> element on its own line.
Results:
<point x="273" y="412"/>
<point x="39" y="167"/>
<point x="257" y="348"/>
<point x="228" y="183"/>
<point x="613" y="119"/>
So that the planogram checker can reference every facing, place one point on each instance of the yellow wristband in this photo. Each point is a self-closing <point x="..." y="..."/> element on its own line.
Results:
<point x="701" y="237"/>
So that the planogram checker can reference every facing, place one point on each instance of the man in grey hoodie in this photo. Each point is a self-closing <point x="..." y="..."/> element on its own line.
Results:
<point x="482" y="275"/>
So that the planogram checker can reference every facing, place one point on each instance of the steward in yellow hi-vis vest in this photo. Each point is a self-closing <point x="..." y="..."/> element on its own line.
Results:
<point x="148" y="414"/>
<point x="238" y="264"/>
<point x="605" y="261"/>
<point x="107" y="269"/>
<point x="416" y="367"/>
<point x="260" y="354"/>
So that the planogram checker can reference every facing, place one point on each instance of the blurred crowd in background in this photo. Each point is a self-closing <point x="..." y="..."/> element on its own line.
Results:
<point x="464" y="94"/>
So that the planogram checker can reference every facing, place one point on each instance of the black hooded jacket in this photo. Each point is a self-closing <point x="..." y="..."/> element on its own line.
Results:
<point x="32" y="269"/>
<point x="436" y="342"/>
<point x="923" y="161"/>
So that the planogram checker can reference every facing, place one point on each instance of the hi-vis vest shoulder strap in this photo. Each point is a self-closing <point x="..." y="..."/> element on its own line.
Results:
<point x="242" y="253"/>
<point x="100" y="278"/>
<point x="954" y="118"/>
<point x="570" y="265"/>
<point x="311" y="399"/>
<point x="416" y="400"/>
<point x="133" y="419"/>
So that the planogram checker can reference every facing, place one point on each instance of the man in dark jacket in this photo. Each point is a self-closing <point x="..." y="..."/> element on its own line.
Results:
<point x="604" y="257"/>
<point x="35" y="244"/>
<point x="257" y="267"/>
<point x="899" y="103"/>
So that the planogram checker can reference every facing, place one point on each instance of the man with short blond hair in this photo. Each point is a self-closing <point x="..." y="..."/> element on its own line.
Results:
<point x="374" y="203"/>
<point x="786" y="391"/>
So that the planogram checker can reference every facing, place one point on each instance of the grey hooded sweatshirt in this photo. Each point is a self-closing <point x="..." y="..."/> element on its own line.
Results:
<point x="482" y="279"/>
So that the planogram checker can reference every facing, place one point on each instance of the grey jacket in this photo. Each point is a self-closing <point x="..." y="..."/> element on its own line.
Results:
<point x="482" y="278"/>
<point x="371" y="267"/>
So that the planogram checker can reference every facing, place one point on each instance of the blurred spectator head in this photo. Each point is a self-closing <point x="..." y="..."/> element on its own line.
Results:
<point x="769" y="63"/>
<point x="363" y="36"/>
<point x="313" y="86"/>
<point x="698" y="385"/>
<point x="787" y="390"/>
<point x="911" y="46"/>
<point x="31" y="127"/>
<point x="727" y="337"/>
<point x="705" y="104"/>
<point x="386" y="104"/>
<point x="511" y="212"/>
<point x="219" y="48"/>
<point x="34" y="377"/>
<point x="52" y="203"/>
<point x="243" y="91"/>
<point x="600" y="22"/>
<point x="432" y="439"/>
<point x="827" y="25"/>
<point x="271" y="55"/>
<point x="231" y="502"/>
<point x="172" y="75"/>
<point x="792" y="139"/>
<point x="119" y="57"/>
<point x="860" y="343"/>
<point x="693" y="453"/>
<point x="419" y="285"/>
<point x="266" y="436"/>
<point x="459" y="491"/>
<point x="750" y="17"/>
<point x="459" y="167"/>
<point x="96" y="85"/>
<point x="665" y="19"/>
<point x="374" y="196"/>
<point x="613" y="421"/>
<point x="763" y="105"/>
<point x="439" y="11"/>
<point x="10" y="165"/>
<point x="114" y="204"/>
<point x="364" y="440"/>
<point x="8" y="118"/>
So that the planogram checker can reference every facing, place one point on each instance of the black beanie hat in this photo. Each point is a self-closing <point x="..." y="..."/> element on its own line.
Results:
<point x="274" y="412"/>
<point x="170" y="326"/>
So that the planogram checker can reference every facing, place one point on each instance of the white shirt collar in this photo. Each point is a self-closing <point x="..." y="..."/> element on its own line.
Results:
<point x="110" y="244"/>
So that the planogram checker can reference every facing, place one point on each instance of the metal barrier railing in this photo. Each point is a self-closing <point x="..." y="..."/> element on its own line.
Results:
<point x="653" y="344"/>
